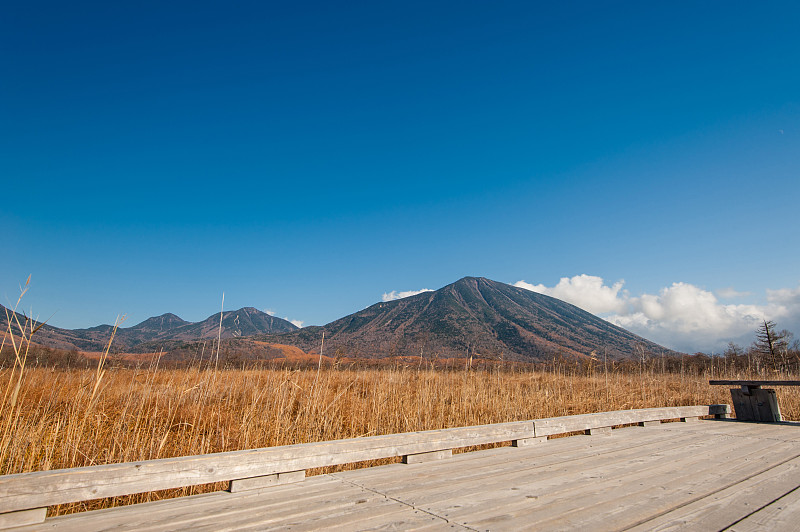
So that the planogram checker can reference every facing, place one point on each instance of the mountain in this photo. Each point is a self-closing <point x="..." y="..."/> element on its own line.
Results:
<point x="473" y="316"/>
<point x="153" y="332"/>
<point x="244" y="322"/>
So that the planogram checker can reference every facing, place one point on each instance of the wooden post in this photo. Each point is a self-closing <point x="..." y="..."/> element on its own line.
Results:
<point x="753" y="403"/>
<point x="427" y="457"/>
<point x="22" y="518"/>
<point x="650" y="423"/>
<point x="524" y="442"/>
<point x="265" y="481"/>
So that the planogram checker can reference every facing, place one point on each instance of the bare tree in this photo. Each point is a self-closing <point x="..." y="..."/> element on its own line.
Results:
<point x="771" y="344"/>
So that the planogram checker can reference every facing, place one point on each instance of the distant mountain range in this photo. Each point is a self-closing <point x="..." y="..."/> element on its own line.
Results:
<point x="472" y="317"/>
<point x="166" y="329"/>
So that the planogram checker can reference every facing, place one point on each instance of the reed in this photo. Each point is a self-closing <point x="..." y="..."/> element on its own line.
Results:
<point x="62" y="418"/>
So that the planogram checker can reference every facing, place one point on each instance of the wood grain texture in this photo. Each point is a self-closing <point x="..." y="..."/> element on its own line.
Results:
<point x="580" y="423"/>
<point x="27" y="490"/>
<point x="23" y="517"/>
<point x="427" y="457"/>
<point x="757" y="404"/>
<point x="266" y="481"/>
<point x="706" y="475"/>
<point x="41" y="489"/>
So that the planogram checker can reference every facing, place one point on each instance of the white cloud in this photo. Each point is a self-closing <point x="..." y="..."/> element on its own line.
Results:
<point x="785" y="297"/>
<point x="269" y="311"/>
<point x="681" y="316"/>
<point x="585" y="291"/>
<point x="297" y="323"/>
<point x="786" y="305"/>
<point x="391" y="296"/>
<point x="731" y="293"/>
<point x="688" y="318"/>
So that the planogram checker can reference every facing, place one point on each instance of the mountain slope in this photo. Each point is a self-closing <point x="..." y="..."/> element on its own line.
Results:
<point x="246" y="321"/>
<point x="473" y="316"/>
<point x="152" y="332"/>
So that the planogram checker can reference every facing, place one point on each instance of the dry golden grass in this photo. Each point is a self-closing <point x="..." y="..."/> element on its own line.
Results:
<point x="66" y="419"/>
<point x="72" y="418"/>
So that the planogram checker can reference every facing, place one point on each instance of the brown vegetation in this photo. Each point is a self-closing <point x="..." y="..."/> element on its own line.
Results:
<point x="71" y="418"/>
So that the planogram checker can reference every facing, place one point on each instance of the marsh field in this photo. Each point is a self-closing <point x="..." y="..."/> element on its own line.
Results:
<point x="61" y="418"/>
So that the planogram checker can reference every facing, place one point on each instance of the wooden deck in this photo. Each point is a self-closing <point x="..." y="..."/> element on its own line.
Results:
<point x="700" y="475"/>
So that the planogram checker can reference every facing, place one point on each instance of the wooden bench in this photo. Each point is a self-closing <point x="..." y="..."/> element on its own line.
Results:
<point x="751" y="402"/>
<point x="24" y="497"/>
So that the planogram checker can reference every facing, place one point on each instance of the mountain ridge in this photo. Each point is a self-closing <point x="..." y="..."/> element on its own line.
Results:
<point x="148" y="334"/>
<point x="474" y="316"/>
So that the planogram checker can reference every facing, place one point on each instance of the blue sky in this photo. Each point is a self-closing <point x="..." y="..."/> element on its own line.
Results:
<point x="309" y="157"/>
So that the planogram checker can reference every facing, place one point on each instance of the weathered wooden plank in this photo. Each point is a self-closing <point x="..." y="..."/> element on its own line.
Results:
<point x="405" y="519"/>
<point x="542" y="475"/>
<point x="319" y="518"/>
<point x="427" y="457"/>
<point x="346" y="517"/>
<point x="677" y="492"/>
<point x="565" y="482"/>
<point x="18" y="492"/>
<point x="22" y="518"/>
<point x="782" y="431"/>
<point x="498" y="507"/>
<point x="22" y="491"/>
<point x="757" y="405"/>
<point x="459" y="463"/>
<point x="742" y="405"/>
<point x="723" y="508"/>
<point x="578" y="509"/>
<point x="634" y="497"/>
<point x="341" y="500"/>
<point x="561" y="425"/>
<point x="766" y="403"/>
<point x="653" y="423"/>
<point x="753" y="403"/>
<point x="249" y="504"/>
<point x="781" y="514"/>
<point x="587" y="483"/>
<point x="289" y="501"/>
<point x="266" y="481"/>
<point x="599" y="431"/>
<point x="116" y="518"/>
<point x="529" y="462"/>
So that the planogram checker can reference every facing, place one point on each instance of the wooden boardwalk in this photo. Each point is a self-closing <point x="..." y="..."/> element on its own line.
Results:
<point x="700" y="475"/>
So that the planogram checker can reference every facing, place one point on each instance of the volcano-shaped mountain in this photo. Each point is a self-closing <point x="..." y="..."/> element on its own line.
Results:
<point x="154" y="332"/>
<point x="472" y="317"/>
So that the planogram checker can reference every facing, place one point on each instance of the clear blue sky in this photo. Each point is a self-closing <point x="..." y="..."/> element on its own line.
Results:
<point x="307" y="157"/>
